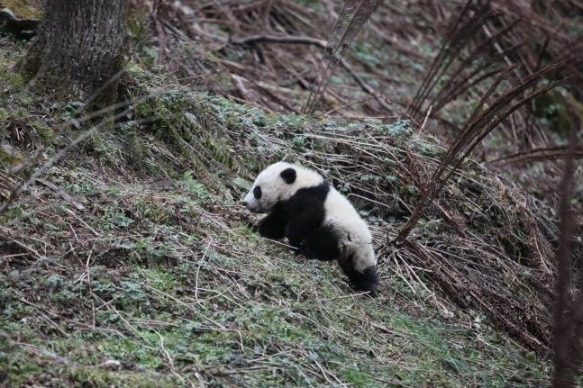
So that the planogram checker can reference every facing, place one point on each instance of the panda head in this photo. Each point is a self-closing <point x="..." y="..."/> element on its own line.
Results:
<point x="278" y="183"/>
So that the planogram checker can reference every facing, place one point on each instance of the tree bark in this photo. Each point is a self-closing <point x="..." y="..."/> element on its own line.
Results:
<point x="77" y="53"/>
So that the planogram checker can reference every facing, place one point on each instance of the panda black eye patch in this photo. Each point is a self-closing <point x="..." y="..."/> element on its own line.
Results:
<point x="257" y="192"/>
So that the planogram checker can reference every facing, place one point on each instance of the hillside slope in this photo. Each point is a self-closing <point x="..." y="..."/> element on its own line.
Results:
<point x="130" y="262"/>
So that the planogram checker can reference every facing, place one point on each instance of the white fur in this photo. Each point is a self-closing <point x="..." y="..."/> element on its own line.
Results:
<point x="354" y="236"/>
<point x="275" y="190"/>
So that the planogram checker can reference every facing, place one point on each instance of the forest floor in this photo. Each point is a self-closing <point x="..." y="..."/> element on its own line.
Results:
<point x="130" y="261"/>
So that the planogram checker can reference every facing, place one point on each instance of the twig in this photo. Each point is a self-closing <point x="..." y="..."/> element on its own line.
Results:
<point x="202" y="259"/>
<point x="96" y="233"/>
<point x="253" y="39"/>
<point x="62" y="193"/>
<point x="427" y="115"/>
<point x="567" y="313"/>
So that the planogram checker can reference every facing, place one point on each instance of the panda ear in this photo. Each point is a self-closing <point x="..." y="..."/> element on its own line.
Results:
<point x="288" y="175"/>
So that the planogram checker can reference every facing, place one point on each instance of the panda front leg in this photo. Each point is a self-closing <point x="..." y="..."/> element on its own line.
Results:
<point x="273" y="225"/>
<point x="299" y="227"/>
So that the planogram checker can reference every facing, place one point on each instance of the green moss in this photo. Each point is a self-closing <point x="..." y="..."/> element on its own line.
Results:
<point x="45" y="132"/>
<point x="10" y="156"/>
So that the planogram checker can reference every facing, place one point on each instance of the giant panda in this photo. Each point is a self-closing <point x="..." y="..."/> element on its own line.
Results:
<point x="316" y="219"/>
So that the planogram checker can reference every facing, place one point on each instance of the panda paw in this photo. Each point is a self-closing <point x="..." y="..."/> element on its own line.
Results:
<point x="305" y="250"/>
<point x="296" y="250"/>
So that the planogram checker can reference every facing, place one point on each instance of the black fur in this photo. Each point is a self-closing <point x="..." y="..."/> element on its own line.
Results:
<point x="362" y="281"/>
<point x="20" y="28"/>
<point x="322" y="245"/>
<point x="297" y="218"/>
<point x="273" y="225"/>
<point x="300" y="220"/>
<point x="289" y="175"/>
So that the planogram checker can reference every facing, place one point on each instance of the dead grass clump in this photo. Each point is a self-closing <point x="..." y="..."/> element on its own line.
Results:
<point x="483" y="243"/>
<point x="487" y="39"/>
<point x="268" y="55"/>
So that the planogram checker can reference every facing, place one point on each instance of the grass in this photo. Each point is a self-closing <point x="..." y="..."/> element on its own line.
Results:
<point x="161" y="331"/>
<point x="139" y="269"/>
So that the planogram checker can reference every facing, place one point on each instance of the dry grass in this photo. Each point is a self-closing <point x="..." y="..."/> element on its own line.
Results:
<point x="269" y="55"/>
<point x="163" y="277"/>
<point x="131" y="261"/>
<point x="481" y="235"/>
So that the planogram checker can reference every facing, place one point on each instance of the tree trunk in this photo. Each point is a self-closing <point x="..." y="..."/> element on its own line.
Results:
<point x="77" y="53"/>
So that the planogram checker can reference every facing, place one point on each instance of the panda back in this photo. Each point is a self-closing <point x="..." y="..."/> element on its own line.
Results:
<point x="341" y="216"/>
